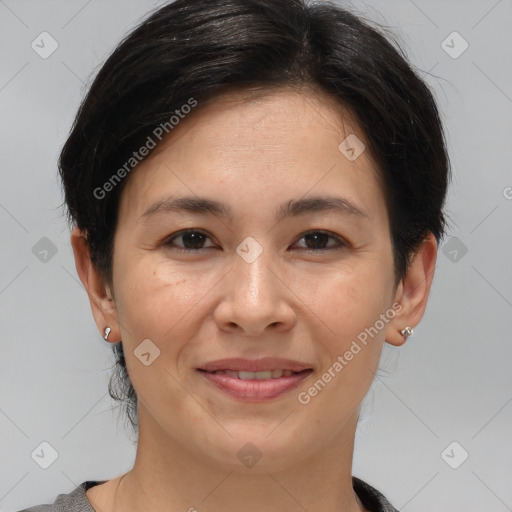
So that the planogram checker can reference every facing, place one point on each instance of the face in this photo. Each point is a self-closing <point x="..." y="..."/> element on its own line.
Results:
<point x="253" y="278"/>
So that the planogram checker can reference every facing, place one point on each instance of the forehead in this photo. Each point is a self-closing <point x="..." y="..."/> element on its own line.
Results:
<point x="280" y="141"/>
<point x="277" y="118"/>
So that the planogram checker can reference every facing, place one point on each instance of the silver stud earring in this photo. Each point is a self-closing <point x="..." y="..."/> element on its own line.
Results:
<point x="107" y="332"/>
<point x="406" y="332"/>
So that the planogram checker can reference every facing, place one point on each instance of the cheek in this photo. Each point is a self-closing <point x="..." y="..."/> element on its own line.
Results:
<point x="154" y="298"/>
<point x="350" y="307"/>
<point x="156" y="302"/>
<point x="350" y="303"/>
<point x="349" y="298"/>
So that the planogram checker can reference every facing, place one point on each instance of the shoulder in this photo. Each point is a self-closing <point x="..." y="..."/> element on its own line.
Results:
<point x="372" y="499"/>
<point x="74" y="501"/>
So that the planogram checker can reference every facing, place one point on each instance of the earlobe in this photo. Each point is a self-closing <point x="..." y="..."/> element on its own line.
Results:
<point x="100" y="297"/>
<point x="413" y="291"/>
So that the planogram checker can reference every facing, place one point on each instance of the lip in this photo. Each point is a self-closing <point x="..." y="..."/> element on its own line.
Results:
<point x="255" y="365"/>
<point x="255" y="390"/>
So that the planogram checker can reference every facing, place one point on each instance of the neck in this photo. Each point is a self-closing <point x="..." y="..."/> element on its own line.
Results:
<point x="167" y="476"/>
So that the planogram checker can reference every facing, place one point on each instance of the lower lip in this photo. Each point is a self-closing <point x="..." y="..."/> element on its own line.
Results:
<point x="255" y="390"/>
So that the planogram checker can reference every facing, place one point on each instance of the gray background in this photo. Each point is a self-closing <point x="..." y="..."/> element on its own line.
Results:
<point x="452" y="381"/>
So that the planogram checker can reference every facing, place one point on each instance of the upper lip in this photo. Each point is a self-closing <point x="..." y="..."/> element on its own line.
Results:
<point x="255" y="365"/>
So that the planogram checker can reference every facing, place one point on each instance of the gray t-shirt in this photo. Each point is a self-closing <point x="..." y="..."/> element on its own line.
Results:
<point x="76" y="501"/>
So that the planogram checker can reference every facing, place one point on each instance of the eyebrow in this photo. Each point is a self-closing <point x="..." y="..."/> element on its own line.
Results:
<point x="292" y="208"/>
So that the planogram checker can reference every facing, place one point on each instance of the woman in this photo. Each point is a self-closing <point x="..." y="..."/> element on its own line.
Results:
<point x="257" y="191"/>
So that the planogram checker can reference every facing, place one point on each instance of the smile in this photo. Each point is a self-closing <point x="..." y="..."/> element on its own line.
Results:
<point x="255" y="386"/>
<point x="271" y="374"/>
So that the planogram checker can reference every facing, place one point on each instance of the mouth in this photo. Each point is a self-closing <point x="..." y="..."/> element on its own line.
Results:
<point x="264" y="375"/>
<point x="257" y="380"/>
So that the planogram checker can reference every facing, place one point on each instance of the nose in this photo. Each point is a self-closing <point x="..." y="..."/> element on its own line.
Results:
<point x="256" y="298"/>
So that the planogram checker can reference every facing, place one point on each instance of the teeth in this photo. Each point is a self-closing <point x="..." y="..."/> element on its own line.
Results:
<point x="254" y="375"/>
<point x="270" y="374"/>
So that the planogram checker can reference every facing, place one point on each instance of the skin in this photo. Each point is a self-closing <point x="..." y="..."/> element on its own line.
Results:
<point x="252" y="151"/>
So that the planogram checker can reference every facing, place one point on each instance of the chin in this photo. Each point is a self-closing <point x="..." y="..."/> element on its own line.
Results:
<point x="256" y="451"/>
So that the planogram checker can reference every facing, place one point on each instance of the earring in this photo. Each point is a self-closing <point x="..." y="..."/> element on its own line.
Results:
<point x="406" y="332"/>
<point x="107" y="332"/>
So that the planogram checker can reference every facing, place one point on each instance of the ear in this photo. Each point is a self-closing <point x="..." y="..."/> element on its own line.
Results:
<point x="413" y="291"/>
<point x="100" y="296"/>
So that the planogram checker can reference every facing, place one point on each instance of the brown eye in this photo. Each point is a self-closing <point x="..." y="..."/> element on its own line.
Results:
<point x="318" y="240"/>
<point x="192" y="240"/>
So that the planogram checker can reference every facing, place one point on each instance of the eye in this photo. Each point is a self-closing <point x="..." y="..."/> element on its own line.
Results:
<point x="317" y="240"/>
<point x="193" y="240"/>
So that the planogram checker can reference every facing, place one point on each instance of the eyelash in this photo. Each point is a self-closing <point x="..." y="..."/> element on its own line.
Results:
<point x="341" y="243"/>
